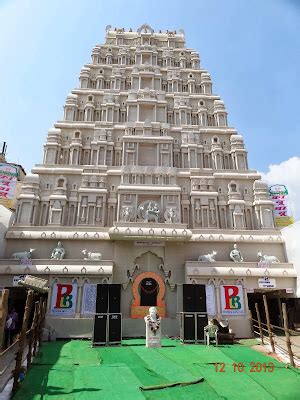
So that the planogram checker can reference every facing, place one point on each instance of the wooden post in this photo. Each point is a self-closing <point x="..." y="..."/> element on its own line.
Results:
<point x="36" y="327"/>
<point x="261" y="333"/>
<point x="31" y="335"/>
<point x="22" y="340"/>
<point x="269" y="324"/>
<point x="40" y="321"/>
<point x="287" y="334"/>
<point x="43" y="314"/>
<point x="3" y="311"/>
<point x="251" y="323"/>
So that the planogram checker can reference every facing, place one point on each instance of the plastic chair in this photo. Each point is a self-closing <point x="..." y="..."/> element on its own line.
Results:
<point x="211" y="333"/>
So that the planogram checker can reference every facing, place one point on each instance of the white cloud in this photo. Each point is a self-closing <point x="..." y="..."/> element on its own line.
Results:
<point x="287" y="173"/>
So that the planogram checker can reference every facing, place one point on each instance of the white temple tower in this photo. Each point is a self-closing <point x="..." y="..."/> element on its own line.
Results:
<point x="145" y="170"/>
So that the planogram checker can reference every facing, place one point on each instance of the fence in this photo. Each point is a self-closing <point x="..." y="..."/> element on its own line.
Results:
<point x="19" y="355"/>
<point x="278" y="338"/>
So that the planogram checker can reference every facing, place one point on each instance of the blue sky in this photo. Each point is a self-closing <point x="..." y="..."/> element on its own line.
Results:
<point x="250" y="47"/>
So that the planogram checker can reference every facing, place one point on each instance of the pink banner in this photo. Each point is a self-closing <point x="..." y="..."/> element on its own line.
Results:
<point x="8" y="181"/>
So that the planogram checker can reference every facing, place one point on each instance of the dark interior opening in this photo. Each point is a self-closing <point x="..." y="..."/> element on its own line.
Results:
<point x="274" y="300"/>
<point x="148" y="292"/>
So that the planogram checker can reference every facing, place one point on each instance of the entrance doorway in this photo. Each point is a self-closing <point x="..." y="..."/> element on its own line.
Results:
<point x="17" y="300"/>
<point x="148" y="292"/>
<point x="274" y="300"/>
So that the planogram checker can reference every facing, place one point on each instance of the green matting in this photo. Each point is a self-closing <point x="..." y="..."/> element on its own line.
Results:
<point x="74" y="370"/>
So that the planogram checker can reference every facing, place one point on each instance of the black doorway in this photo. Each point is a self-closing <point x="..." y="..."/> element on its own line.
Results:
<point x="149" y="291"/>
<point x="273" y="306"/>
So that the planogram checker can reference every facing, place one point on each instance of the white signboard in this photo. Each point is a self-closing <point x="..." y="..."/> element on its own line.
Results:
<point x="266" y="283"/>
<point x="210" y="300"/>
<point x="148" y="243"/>
<point x="89" y="296"/>
<point x="232" y="300"/>
<point x="63" y="300"/>
<point x="8" y="181"/>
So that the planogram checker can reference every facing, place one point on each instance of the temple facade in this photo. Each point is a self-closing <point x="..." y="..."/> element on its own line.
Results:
<point x="144" y="183"/>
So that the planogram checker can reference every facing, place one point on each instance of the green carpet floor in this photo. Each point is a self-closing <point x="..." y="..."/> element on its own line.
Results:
<point x="67" y="370"/>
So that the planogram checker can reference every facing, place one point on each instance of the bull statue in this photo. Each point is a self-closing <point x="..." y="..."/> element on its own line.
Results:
<point x="263" y="257"/>
<point x="208" y="257"/>
<point x="91" y="256"/>
<point x="22" y="255"/>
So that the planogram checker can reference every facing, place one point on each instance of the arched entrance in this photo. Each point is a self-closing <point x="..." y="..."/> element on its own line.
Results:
<point x="148" y="290"/>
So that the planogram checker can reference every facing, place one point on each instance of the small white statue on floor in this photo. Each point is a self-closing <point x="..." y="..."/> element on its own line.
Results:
<point x="235" y="254"/>
<point x="153" y="328"/>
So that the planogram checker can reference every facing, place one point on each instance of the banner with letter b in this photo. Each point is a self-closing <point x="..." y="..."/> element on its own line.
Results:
<point x="232" y="300"/>
<point x="63" y="300"/>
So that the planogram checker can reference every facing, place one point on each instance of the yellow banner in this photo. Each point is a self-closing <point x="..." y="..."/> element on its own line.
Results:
<point x="283" y="221"/>
<point x="6" y="203"/>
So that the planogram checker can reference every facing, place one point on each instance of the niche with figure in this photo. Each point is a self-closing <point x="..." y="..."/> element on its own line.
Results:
<point x="148" y="292"/>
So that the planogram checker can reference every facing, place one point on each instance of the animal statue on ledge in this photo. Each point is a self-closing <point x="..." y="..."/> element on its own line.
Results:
<point x="263" y="257"/>
<point x="208" y="257"/>
<point x="22" y="255"/>
<point x="91" y="256"/>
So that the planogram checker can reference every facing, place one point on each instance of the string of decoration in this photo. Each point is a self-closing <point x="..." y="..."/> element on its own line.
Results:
<point x="153" y="325"/>
<point x="149" y="291"/>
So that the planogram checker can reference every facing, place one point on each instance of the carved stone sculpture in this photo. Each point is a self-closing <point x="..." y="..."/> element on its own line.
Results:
<point x="149" y="211"/>
<point x="91" y="256"/>
<point x="22" y="255"/>
<point x="171" y="215"/>
<point x="235" y="254"/>
<point x="127" y="214"/>
<point x="208" y="257"/>
<point x="153" y="328"/>
<point x="58" y="252"/>
<point x="269" y="259"/>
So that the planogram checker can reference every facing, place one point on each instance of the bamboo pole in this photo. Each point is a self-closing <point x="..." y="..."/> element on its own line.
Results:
<point x="22" y="340"/>
<point x="31" y="335"/>
<point x="287" y="335"/>
<point x="44" y="307"/>
<point x="259" y="324"/>
<point x="4" y="309"/>
<point x="251" y="323"/>
<point x="41" y="320"/>
<point x="269" y="324"/>
<point x="36" y="327"/>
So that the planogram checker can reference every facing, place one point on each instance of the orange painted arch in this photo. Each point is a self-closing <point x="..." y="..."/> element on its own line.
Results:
<point x="138" y="311"/>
